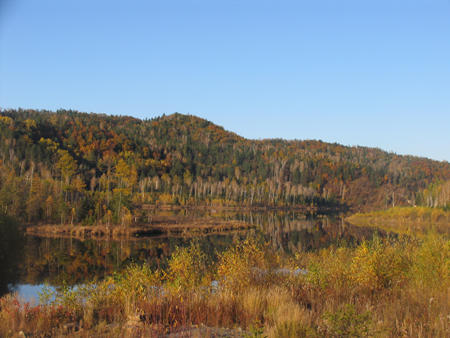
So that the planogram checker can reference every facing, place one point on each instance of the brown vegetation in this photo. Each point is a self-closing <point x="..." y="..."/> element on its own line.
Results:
<point x="158" y="226"/>
<point x="382" y="288"/>
<point x="417" y="220"/>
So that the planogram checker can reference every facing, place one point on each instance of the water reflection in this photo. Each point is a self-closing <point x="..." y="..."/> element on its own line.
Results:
<point x="66" y="261"/>
<point x="12" y="248"/>
<point x="63" y="261"/>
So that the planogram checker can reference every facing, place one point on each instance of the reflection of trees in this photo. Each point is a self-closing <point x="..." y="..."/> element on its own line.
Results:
<point x="291" y="232"/>
<point x="70" y="261"/>
<point x="11" y="253"/>
<point x="60" y="261"/>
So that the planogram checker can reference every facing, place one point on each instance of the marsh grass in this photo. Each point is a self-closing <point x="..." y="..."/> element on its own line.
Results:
<point x="414" y="221"/>
<point x="385" y="287"/>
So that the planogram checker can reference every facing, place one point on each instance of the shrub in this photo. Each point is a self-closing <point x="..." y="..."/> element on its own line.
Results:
<point x="378" y="265"/>
<point x="291" y="329"/>
<point x="432" y="262"/>
<point x="346" y="322"/>
<point x="188" y="268"/>
<point x="242" y="265"/>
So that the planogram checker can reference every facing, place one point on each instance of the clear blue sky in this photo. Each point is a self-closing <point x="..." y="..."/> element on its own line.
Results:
<point x="362" y="72"/>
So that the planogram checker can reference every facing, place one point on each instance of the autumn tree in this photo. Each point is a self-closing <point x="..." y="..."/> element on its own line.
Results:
<point x="127" y="179"/>
<point x="67" y="167"/>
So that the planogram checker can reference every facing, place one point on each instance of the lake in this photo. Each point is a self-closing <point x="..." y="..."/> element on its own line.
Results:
<point x="66" y="261"/>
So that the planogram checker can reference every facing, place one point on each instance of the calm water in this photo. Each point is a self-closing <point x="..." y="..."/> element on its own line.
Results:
<point x="64" y="261"/>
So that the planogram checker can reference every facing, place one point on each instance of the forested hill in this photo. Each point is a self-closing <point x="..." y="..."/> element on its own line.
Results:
<point x="67" y="165"/>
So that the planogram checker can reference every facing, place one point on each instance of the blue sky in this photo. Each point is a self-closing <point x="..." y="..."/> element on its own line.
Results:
<point x="361" y="72"/>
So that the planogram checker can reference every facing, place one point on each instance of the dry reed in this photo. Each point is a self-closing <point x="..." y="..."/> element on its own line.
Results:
<point x="383" y="287"/>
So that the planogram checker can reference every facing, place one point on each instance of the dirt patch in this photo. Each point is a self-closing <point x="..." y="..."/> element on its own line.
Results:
<point x="116" y="330"/>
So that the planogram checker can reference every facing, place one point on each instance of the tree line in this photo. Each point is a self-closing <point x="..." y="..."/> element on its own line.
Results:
<point x="69" y="167"/>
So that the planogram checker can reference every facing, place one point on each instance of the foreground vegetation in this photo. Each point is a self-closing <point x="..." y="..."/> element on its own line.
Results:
<point x="384" y="287"/>
<point x="408" y="220"/>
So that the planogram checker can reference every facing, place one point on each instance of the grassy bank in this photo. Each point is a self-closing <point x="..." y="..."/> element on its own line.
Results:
<point x="382" y="288"/>
<point x="416" y="220"/>
<point x="156" y="226"/>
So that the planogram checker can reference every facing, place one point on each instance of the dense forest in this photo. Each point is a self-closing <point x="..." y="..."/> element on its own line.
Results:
<point x="69" y="167"/>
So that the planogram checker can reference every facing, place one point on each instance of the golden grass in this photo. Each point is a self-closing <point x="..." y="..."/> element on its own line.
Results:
<point x="381" y="288"/>
<point x="405" y="220"/>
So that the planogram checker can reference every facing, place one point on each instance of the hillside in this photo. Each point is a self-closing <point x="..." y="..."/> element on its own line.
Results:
<point x="69" y="167"/>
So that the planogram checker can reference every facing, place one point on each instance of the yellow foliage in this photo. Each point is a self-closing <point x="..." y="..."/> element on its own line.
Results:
<point x="432" y="262"/>
<point x="30" y="124"/>
<point x="437" y="215"/>
<point x="164" y="199"/>
<point x="48" y="143"/>
<point x="242" y="265"/>
<point x="5" y="119"/>
<point x="377" y="265"/>
<point x="136" y="285"/>
<point x="330" y="267"/>
<point x="66" y="164"/>
<point x="126" y="216"/>
<point x="187" y="267"/>
<point x="27" y="140"/>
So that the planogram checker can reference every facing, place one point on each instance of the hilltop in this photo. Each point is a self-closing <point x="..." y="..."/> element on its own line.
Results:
<point x="68" y="167"/>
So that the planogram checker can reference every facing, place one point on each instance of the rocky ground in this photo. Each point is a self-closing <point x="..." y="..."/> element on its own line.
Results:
<point x="135" y="328"/>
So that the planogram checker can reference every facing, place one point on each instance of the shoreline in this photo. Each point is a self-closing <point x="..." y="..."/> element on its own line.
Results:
<point x="159" y="226"/>
<point x="163" y="225"/>
<point x="300" y="208"/>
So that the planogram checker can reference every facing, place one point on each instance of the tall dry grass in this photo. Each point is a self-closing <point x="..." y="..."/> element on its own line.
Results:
<point x="384" y="287"/>
<point x="406" y="220"/>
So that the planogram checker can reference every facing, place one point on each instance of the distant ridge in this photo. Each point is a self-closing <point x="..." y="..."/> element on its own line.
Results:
<point x="68" y="165"/>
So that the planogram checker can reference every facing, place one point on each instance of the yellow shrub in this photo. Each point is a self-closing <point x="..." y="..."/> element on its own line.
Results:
<point x="242" y="265"/>
<point x="136" y="285"/>
<point x="432" y="261"/>
<point x="188" y="267"/>
<point x="379" y="265"/>
<point x="329" y="268"/>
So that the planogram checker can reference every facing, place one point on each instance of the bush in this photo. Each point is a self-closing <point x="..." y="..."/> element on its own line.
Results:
<point x="346" y="322"/>
<point x="188" y="267"/>
<point x="243" y="265"/>
<point x="291" y="329"/>
<point x="378" y="265"/>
